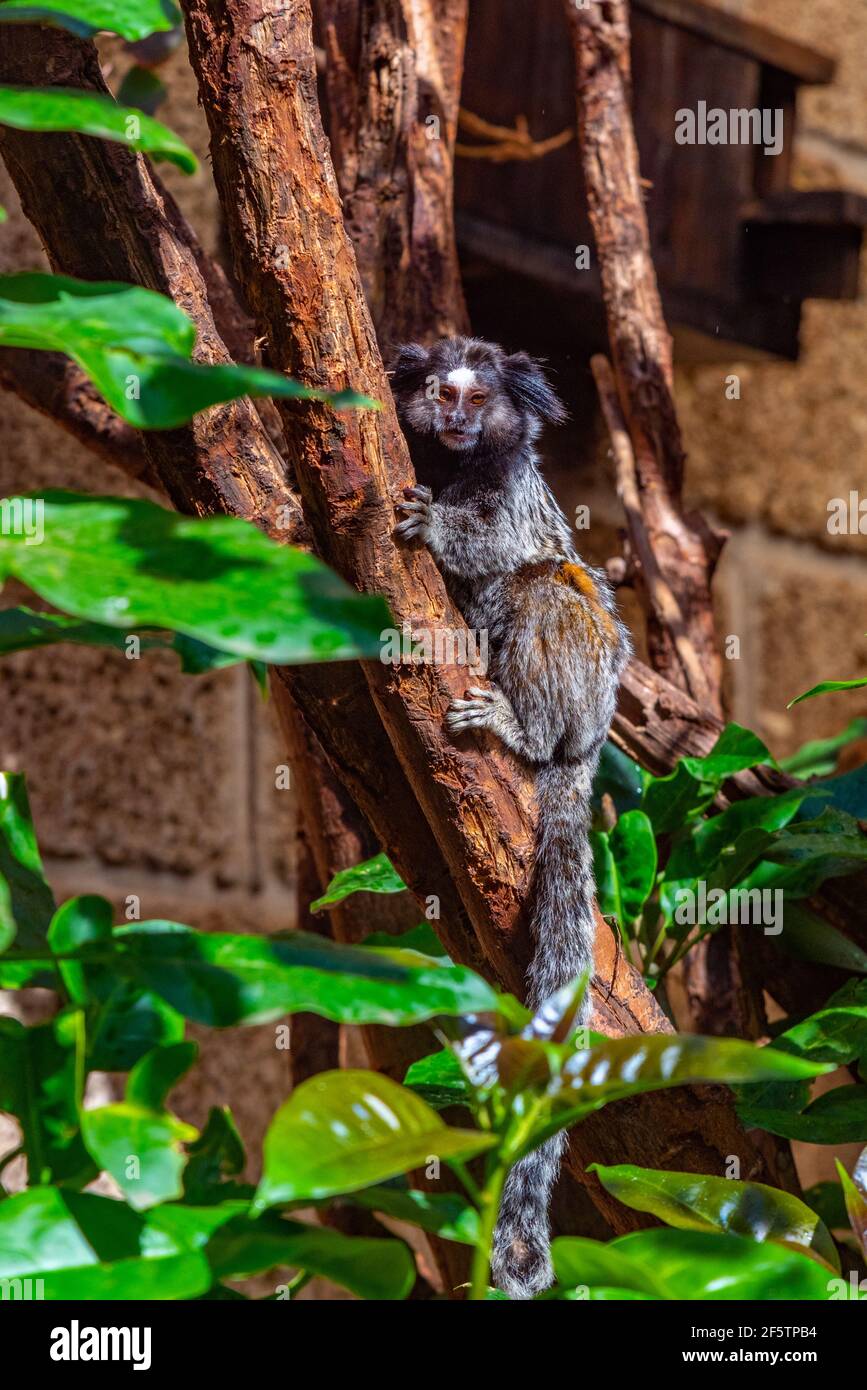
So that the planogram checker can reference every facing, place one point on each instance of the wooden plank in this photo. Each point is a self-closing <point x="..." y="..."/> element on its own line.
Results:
<point x="745" y="36"/>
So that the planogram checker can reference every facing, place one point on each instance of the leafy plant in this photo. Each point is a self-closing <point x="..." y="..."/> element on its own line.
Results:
<point x="90" y="113"/>
<point x="136" y="346"/>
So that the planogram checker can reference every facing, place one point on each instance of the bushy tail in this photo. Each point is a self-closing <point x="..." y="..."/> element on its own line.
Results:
<point x="564" y="929"/>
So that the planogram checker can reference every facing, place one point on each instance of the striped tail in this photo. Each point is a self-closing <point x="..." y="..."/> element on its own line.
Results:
<point x="564" y="928"/>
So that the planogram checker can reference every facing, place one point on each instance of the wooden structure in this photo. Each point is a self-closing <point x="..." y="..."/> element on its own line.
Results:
<point x="736" y="248"/>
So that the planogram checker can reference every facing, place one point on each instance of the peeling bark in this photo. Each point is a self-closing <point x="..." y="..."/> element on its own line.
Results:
<point x="393" y="79"/>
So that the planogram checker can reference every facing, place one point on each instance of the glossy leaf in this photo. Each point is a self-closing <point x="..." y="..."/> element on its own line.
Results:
<point x="222" y="979"/>
<point x="370" y="1268"/>
<point x="422" y="939"/>
<point x="698" y="1202"/>
<point x="136" y="346"/>
<point x="444" y="1214"/>
<point x="835" y="1033"/>
<point x="836" y="1117"/>
<point x="21" y="629"/>
<point x="735" y="750"/>
<point x="127" y="1022"/>
<point x="691" y="1266"/>
<point x="38" y="1087"/>
<point x="806" y="936"/>
<point x="132" y="19"/>
<point x="828" y="687"/>
<point x="86" y="1247"/>
<point x="625" y="862"/>
<point x="140" y="1148"/>
<point x="619" y="777"/>
<point x="26" y="901"/>
<point x="129" y="563"/>
<point x="345" y="1130"/>
<point x="620" y="1067"/>
<point x="215" y="1160"/>
<point x="699" y="853"/>
<point x="91" y="113"/>
<point x="158" y="1072"/>
<point x="440" y="1080"/>
<point x="670" y="801"/>
<point x="818" y="758"/>
<point x="376" y="875"/>
<point x="79" y="922"/>
<point x="855" y="1195"/>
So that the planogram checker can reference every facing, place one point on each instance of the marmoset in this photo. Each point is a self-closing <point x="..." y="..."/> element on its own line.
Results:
<point x="472" y="415"/>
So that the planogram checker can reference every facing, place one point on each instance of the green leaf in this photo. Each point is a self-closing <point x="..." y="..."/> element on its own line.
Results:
<point x="818" y="758"/>
<point x="836" y="1033"/>
<point x="79" y="922"/>
<point x="837" y="1117"/>
<point x="90" y="113"/>
<point x="38" y="1086"/>
<point x="132" y="19"/>
<point x="126" y="1023"/>
<point x="827" y="687"/>
<point x="221" y="979"/>
<point x="370" y="1268"/>
<point x="848" y="792"/>
<point x="699" y="853"/>
<point x="619" y="777"/>
<point x="809" y="937"/>
<point x="625" y="866"/>
<point x="421" y="938"/>
<point x="21" y="629"/>
<point x="155" y="1074"/>
<point x="827" y="1201"/>
<point x="376" y="875"/>
<point x="670" y="801"/>
<point x="735" y="750"/>
<point x="855" y="1195"/>
<point x="26" y="901"/>
<point x="85" y="1247"/>
<point x="216" y="1158"/>
<point x="691" y="1266"/>
<point x="440" y="1080"/>
<point x="129" y="563"/>
<point x="628" y="1066"/>
<point x="136" y="346"/>
<point x="345" y="1130"/>
<point x="136" y="1140"/>
<point x="698" y="1202"/>
<point x="443" y="1214"/>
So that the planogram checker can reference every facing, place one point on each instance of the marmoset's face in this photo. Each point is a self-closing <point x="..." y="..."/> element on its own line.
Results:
<point x="464" y="405"/>
<point x="471" y="396"/>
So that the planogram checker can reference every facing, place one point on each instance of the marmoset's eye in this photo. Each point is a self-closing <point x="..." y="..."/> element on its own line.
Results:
<point x="478" y="398"/>
<point x="447" y="393"/>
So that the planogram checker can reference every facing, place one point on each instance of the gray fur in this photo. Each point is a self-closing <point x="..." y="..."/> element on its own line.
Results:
<point x="472" y="415"/>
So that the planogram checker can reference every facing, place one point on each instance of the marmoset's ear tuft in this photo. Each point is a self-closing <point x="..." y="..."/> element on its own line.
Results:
<point x="410" y="367"/>
<point x="531" y="390"/>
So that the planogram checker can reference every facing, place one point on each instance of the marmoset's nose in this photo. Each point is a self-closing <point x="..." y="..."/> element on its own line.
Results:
<point x="458" y="417"/>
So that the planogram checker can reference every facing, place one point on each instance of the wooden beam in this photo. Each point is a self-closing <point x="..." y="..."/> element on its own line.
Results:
<point x="746" y="36"/>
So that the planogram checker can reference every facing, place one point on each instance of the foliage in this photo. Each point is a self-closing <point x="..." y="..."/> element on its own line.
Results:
<point x="132" y="19"/>
<point x="673" y="868"/>
<point x="90" y="113"/>
<point x="137" y="348"/>
<point x="184" y="1222"/>
<point x="129" y="564"/>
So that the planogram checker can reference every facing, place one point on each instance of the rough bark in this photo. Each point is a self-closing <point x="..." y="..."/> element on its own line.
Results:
<point x="101" y="214"/>
<point x="392" y="79"/>
<point x="256" y="72"/>
<point x="684" y="547"/>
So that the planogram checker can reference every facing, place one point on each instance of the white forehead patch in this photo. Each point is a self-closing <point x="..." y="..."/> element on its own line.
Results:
<point x="462" y="377"/>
